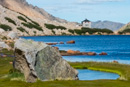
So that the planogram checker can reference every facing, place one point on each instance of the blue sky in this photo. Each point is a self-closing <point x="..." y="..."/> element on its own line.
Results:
<point x="94" y="10"/>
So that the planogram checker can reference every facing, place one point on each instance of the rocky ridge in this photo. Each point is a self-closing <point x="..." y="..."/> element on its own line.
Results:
<point x="114" y="26"/>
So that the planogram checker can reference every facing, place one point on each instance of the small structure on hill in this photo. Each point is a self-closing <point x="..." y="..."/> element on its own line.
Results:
<point x="86" y="23"/>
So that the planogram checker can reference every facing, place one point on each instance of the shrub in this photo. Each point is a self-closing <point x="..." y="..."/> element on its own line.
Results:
<point x="124" y="31"/>
<point x="22" y="29"/>
<point x="10" y="20"/>
<point x="4" y="38"/>
<point x="5" y="27"/>
<point x="51" y="26"/>
<point x="71" y="31"/>
<point x="34" y="32"/>
<point x="53" y="32"/>
<point x="21" y="18"/>
<point x="35" y="23"/>
<point x="63" y="33"/>
<point x="30" y="25"/>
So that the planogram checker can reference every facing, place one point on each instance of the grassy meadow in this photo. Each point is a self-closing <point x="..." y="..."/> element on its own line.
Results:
<point x="13" y="78"/>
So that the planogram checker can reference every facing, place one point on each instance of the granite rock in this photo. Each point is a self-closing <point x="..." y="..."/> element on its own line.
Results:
<point x="37" y="60"/>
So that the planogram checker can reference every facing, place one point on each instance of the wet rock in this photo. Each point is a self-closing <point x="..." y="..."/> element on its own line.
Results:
<point x="84" y="53"/>
<point x="51" y="43"/>
<point x="56" y="48"/>
<point x="71" y="42"/>
<point x="61" y="43"/>
<point x="91" y="53"/>
<point x="40" y="61"/>
<point x="73" y="52"/>
<point x="103" y="53"/>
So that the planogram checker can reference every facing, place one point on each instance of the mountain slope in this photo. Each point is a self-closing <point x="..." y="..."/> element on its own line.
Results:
<point x="32" y="19"/>
<point x="31" y="11"/>
<point x="107" y="24"/>
<point x="127" y="26"/>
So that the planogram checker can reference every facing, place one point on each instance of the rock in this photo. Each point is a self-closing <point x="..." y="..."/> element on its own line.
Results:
<point x="61" y="42"/>
<point x="4" y="45"/>
<point x="51" y="43"/>
<point x="40" y="61"/>
<point x="103" y="53"/>
<point x="13" y="35"/>
<point x="1" y="31"/>
<point x="71" y="42"/>
<point x="11" y="63"/>
<point x="73" y="52"/>
<point x="115" y="61"/>
<point x="84" y="53"/>
<point x="56" y="48"/>
<point x="91" y="53"/>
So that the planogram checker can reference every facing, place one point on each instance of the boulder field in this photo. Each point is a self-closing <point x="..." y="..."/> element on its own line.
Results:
<point x="37" y="60"/>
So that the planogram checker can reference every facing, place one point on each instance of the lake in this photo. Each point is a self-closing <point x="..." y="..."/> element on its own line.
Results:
<point x="117" y="47"/>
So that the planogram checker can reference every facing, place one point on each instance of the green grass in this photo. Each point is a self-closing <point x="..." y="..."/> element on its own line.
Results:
<point x="13" y="78"/>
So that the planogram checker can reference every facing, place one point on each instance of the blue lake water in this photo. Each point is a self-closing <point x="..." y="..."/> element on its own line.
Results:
<point x="95" y="75"/>
<point x="117" y="47"/>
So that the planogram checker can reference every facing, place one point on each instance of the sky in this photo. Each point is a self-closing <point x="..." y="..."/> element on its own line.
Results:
<point x="94" y="10"/>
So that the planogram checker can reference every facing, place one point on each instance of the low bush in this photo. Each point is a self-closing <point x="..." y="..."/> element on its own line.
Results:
<point x="51" y="26"/>
<point x="31" y="25"/>
<point x="53" y="32"/>
<point x="21" y="18"/>
<point x="22" y="29"/>
<point x="10" y="20"/>
<point x="124" y="31"/>
<point x="82" y="31"/>
<point x="5" y="27"/>
<point x="71" y="31"/>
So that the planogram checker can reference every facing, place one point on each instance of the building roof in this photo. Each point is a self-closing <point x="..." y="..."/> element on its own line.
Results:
<point x="86" y="20"/>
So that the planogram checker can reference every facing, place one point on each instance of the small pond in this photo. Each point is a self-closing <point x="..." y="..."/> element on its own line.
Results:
<point x="96" y="75"/>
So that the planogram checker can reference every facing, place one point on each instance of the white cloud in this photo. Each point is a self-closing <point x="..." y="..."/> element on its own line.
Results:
<point x="96" y="1"/>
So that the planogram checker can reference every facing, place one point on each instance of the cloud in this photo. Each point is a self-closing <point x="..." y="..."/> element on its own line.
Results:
<point x="96" y="1"/>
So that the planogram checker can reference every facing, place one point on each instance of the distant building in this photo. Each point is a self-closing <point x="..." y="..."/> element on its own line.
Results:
<point x="86" y="23"/>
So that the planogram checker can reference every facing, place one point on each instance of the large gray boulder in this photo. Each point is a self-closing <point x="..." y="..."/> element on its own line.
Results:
<point x="37" y="60"/>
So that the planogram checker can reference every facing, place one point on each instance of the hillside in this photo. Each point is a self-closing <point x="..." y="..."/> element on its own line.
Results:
<point x="127" y="26"/>
<point x="29" y="10"/>
<point x="107" y="24"/>
<point x="29" y="20"/>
